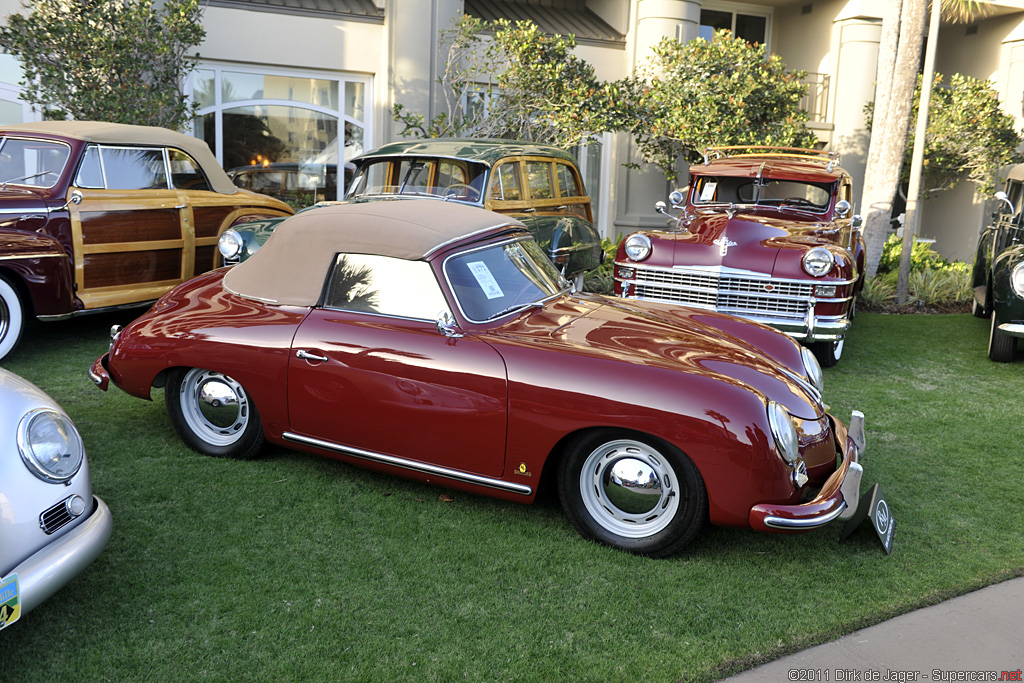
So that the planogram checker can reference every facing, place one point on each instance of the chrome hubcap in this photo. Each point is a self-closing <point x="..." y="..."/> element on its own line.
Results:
<point x="5" y="318"/>
<point x="215" y="406"/>
<point x="629" y="488"/>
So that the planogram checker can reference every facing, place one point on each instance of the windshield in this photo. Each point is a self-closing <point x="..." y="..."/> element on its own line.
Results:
<point x="795" y="194"/>
<point x="36" y="163"/>
<point x="502" y="278"/>
<point x="417" y="176"/>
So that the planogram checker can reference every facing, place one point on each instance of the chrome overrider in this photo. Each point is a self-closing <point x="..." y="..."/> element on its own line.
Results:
<point x="850" y="487"/>
<point x="788" y="305"/>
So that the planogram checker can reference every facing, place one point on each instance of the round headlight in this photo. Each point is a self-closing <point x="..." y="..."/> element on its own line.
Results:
<point x="638" y="247"/>
<point x="50" y="445"/>
<point x="818" y="261"/>
<point x="230" y="244"/>
<point x="1017" y="279"/>
<point x="786" y="440"/>
<point x="813" y="369"/>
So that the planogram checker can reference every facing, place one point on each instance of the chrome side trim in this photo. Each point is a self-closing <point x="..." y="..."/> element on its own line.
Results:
<point x="91" y="311"/>
<point x="412" y="465"/>
<point x="784" y="523"/>
<point x="17" y="257"/>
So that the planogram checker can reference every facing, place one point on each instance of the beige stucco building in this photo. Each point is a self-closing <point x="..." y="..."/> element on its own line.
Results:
<point x="322" y="76"/>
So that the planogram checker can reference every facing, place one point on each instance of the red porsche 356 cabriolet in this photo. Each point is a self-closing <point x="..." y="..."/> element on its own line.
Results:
<point x="436" y="341"/>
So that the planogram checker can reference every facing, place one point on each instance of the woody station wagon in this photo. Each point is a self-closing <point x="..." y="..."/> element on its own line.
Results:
<point x="97" y="216"/>
<point x="538" y="184"/>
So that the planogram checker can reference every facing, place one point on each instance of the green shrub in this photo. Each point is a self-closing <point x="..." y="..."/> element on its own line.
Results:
<point x="601" y="280"/>
<point x="921" y="256"/>
<point x="933" y="280"/>
<point x="877" y="291"/>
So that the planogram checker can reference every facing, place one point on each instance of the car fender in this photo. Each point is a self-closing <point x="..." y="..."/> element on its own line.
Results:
<point x="39" y="267"/>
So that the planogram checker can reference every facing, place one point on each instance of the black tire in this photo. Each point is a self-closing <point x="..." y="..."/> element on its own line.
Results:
<point x="657" y="519"/>
<point x="12" y="317"/>
<point x="1002" y="348"/>
<point x="213" y="414"/>
<point x="828" y="353"/>
<point x="977" y="310"/>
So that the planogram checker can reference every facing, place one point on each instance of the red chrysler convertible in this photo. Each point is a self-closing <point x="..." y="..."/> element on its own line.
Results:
<point x="436" y="341"/>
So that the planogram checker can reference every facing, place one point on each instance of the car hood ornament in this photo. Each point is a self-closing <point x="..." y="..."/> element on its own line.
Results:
<point x="724" y="243"/>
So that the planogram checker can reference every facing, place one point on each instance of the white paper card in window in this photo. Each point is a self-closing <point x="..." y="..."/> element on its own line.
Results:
<point x="484" y="278"/>
<point x="707" y="193"/>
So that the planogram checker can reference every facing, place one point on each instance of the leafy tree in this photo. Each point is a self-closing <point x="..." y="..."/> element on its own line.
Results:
<point x="516" y="83"/>
<point x="969" y="137"/>
<point x="724" y="92"/>
<point x="109" y="61"/>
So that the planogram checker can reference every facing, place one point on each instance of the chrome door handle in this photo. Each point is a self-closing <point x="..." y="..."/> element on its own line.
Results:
<point x="563" y="207"/>
<point x="306" y="355"/>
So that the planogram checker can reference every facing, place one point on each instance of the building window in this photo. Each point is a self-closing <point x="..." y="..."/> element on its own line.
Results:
<point x="298" y="124"/>
<point x="12" y="109"/>
<point x="747" y="22"/>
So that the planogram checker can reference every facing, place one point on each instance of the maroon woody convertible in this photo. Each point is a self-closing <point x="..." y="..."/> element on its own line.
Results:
<point x="436" y="341"/>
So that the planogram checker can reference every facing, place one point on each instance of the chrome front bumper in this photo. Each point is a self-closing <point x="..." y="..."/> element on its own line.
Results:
<point x="838" y="498"/>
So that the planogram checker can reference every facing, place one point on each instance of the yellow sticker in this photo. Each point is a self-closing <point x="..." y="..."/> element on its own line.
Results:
<point x="10" y="606"/>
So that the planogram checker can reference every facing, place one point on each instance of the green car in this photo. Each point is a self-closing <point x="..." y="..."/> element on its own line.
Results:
<point x="999" y="272"/>
<point x="538" y="184"/>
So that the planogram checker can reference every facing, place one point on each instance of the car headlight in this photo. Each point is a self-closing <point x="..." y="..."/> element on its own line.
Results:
<point x="818" y="261"/>
<point x="230" y="244"/>
<point x="813" y="369"/>
<point x="786" y="440"/>
<point x="1017" y="279"/>
<point x="50" y="445"/>
<point x="638" y="247"/>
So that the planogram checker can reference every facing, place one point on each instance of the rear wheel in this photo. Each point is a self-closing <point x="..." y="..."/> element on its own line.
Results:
<point x="632" y="493"/>
<point x="977" y="310"/>
<point x="213" y="414"/>
<point x="827" y="352"/>
<point x="1002" y="348"/>
<point x="12" y="317"/>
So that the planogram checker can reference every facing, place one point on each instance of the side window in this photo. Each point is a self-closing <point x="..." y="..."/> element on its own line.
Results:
<point x="505" y="183"/>
<point x="185" y="172"/>
<point x="386" y="286"/>
<point x="568" y="184"/>
<point x="538" y="175"/>
<point x="127" y="168"/>
<point x="90" y="173"/>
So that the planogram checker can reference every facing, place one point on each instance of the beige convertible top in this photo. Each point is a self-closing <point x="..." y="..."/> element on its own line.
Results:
<point x="290" y="269"/>
<point x="102" y="132"/>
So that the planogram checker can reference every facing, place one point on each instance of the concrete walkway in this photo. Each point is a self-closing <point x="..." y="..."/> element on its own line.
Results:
<point x="975" y="637"/>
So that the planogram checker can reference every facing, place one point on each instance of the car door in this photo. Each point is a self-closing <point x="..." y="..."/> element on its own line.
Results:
<point x="370" y="371"/>
<point x="131" y="235"/>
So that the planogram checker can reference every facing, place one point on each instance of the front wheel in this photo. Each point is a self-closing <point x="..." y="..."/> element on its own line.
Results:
<point x="213" y="414"/>
<point x="1002" y="348"/>
<point x="828" y="353"/>
<point x="12" y="318"/>
<point x="632" y="493"/>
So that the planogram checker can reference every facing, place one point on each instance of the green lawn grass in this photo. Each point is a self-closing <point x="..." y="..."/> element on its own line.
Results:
<point x="295" y="567"/>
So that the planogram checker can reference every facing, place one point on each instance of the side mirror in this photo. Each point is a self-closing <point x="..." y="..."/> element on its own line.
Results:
<point x="1003" y="197"/>
<point x="842" y="208"/>
<point x="659" y="206"/>
<point x="678" y="197"/>
<point x="857" y="221"/>
<point x="447" y="326"/>
<point x="76" y="199"/>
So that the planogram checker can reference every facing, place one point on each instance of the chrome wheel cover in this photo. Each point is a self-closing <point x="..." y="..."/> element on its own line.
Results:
<point x="629" y="488"/>
<point x="214" y="406"/>
<point x="5" y="318"/>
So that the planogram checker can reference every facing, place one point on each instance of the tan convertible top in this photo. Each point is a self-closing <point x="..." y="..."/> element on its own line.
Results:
<point x="290" y="269"/>
<point x="102" y="132"/>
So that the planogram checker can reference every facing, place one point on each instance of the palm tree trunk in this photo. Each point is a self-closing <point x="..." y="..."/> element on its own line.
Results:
<point x="898" y="60"/>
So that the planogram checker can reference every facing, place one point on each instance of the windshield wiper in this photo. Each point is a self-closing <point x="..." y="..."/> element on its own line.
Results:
<point x="518" y="307"/>
<point x="3" y="184"/>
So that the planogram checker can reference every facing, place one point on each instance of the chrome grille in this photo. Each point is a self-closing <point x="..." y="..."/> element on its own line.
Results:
<point x="55" y="517"/>
<point x="727" y="293"/>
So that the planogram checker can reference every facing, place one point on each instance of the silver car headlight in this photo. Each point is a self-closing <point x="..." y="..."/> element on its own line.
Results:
<point x="50" y="445"/>
<point x="1017" y="279"/>
<point x="230" y="244"/>
<point x="818" y="261"/>
<point x="638" y="247"/>
<point x="787" y="442"/>
<point x="813" y="369"/>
